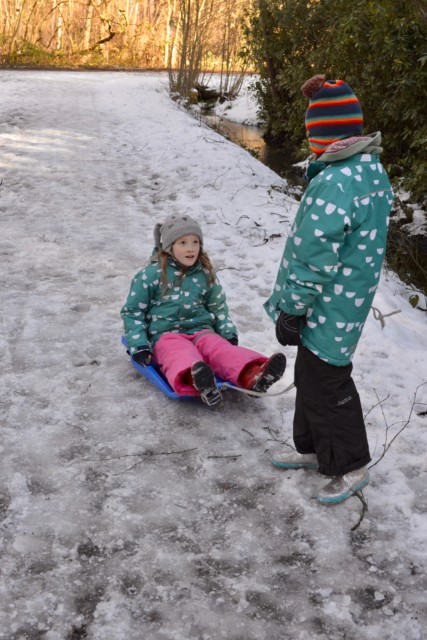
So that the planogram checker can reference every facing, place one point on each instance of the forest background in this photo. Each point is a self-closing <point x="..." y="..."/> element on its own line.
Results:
<point x="378" y="47"/>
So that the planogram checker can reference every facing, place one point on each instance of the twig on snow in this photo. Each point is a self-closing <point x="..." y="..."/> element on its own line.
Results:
<point x="248" y="432"/>
<point x="250" y="171"/>
<point x="224" y="221"/>
<point x="214" y="183"/>
<point x="359" y="494"/>
<point x="147" y="454"/>
<point x="75" y="426"/>
<point x="257" y="224"/>
<point x="273" y="436"/>
<point x="230" y="456"/>
<point x="156" y="193"/>
<point x="228" y="269"/>
<point x="375" y="405"/>
<point x="86" y="390"/>
<point x="387" y="445"/>
<point x="213" y="141"/>
<point x="245" y="186"/>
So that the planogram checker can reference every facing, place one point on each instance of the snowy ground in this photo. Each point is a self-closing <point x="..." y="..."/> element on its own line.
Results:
<point x="128" y="516"/>
<point x="244" y="108"/>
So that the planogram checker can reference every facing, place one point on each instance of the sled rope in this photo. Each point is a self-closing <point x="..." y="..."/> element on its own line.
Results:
<point x="380" y="316"/>
<point x="256" y="393"/>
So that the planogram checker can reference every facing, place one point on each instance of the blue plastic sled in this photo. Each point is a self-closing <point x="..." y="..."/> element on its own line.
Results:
<point x="153" y="373"/>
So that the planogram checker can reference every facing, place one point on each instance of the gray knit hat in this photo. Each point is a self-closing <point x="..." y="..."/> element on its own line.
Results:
<point x="173" y="228"/>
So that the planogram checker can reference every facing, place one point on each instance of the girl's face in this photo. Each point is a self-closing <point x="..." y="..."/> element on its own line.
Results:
<point x="186" y="250"/>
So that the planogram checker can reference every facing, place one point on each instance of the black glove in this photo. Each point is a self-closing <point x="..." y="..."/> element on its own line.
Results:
<point x="234" y="340"/>
<point x="288" y="329"/>
<point x="143" y="356"/>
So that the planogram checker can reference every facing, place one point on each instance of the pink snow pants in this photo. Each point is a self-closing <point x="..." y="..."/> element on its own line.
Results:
<point x="176" y="352"/>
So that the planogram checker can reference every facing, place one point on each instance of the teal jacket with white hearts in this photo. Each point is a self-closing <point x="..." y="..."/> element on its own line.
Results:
<point x="332" y="259"/>
<point x="188" y="304"/>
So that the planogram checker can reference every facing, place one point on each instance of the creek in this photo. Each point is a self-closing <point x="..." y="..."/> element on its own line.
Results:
<point x="250" y="138"/>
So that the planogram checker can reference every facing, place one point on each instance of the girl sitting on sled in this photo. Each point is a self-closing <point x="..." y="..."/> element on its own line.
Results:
<point x="177" y="314"/>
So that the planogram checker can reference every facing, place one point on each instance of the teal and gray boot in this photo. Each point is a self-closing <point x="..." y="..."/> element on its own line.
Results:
<point x="295" y="460"/>
<point x="342" y="487"/>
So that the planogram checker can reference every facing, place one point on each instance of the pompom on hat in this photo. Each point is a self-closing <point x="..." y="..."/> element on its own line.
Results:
<point x="334" y="112"/>
<point x="173" y="228"/>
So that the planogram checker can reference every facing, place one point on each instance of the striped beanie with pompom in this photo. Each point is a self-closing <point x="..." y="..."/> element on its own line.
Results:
<point x="334" y="112"/>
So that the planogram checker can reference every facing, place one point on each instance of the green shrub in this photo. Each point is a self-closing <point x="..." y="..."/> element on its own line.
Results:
<point x="378" y="47"/>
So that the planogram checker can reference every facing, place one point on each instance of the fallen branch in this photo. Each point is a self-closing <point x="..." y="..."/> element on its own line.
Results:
<point x="359" y="494"/>
<point x="233" y="457"/>
<point x="75" y="426"/>
<point x="375" y="406"/>
<point x="148" y="454"/>
<point x="140" y="454"/>
<point x="110" y="36"/>
<point x="245" y="186"/>
<point x="248" y="432"/>
<point x="273" y="436"/>
<point x="387" y="445"/>
<point x="154" y="201"/>
<point x="211" y="140"/>
<point x="228" y="268"/>
<point x="224" y="221"/>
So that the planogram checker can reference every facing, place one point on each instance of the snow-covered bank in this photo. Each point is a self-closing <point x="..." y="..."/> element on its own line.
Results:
<point x="127" y="516"/>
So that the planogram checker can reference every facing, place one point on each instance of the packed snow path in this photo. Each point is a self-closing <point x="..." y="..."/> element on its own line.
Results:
<point x="128" y="516"/>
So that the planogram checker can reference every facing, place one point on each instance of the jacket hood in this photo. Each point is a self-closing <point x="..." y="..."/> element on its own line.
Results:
<point x="343" y="150"/>
<point x="349" y="147"/>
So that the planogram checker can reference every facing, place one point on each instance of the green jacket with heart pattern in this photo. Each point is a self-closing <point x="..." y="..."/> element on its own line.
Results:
<point x="332" y="259"/>
<point x="188" y="304"/>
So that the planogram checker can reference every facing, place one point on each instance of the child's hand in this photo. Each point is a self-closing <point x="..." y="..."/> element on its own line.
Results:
<point x="288" y="329"/>
<point x="143" y="356"/>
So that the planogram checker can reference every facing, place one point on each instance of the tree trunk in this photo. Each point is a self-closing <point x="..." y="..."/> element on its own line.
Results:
<point x="88" y="26"/>
<point x="170" y="36"/>
<point x="57" y="24"/>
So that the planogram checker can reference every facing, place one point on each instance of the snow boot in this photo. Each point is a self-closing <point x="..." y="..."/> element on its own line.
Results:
<point x="204" y="381"/>
<point x="295" y="460"/>
<point x="342" y="487"/>
<point x="260" y="377"/>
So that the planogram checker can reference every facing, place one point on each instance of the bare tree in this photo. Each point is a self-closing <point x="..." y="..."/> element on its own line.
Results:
<point x="179" y="35"/>
<point x="195" y="18"/>
<point x="233" y="67"/>
<point x="88" y="25"/>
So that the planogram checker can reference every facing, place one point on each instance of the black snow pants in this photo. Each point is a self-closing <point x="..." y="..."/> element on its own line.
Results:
<point x="328" y="417"/>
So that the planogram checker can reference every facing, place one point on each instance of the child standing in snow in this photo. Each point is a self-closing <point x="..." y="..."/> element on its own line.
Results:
<point x="177" y="314"/>
<point x="326" y="283"/>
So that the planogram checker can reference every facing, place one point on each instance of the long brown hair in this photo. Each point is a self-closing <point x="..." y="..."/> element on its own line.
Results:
<point x="203" y="258"/>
